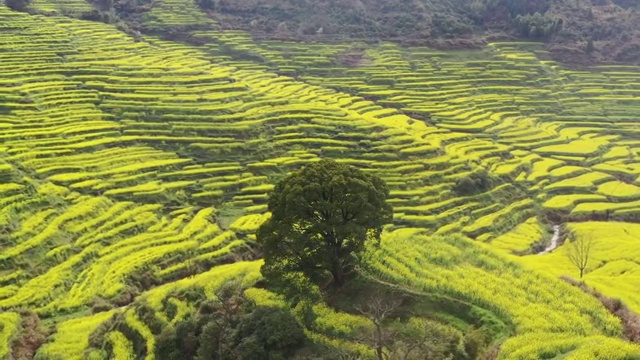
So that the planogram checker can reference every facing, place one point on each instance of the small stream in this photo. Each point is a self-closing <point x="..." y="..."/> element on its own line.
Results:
<point x="554" y="240"/>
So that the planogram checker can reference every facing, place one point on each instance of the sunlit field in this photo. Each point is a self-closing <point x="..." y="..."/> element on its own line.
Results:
<point x="131" y="171"/>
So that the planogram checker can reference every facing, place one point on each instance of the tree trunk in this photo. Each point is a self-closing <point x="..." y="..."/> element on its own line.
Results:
<point x="581" y="272"/>
<point x="338" y="275"/>
<point x="379" y="343"/>
<point x="379" y="352"/>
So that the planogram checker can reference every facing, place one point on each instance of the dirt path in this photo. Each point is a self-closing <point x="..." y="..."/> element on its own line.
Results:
<point x="554" y="240"/>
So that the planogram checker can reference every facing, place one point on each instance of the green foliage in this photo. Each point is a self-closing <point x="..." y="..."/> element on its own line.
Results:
<point x="419" y="338"/>
<point x="147" y="315"/>
<point x="193" y="294"/>
<point x="268" y="333"/>
<point x="474" y="342"/>
<point x="185" y="340"/>
<point x="100" y="305"/>
<point x="450" y="25"/>
<point x="127" y="6"/>
<point x="519" y="7"/>
<point x="296" y="287"/>
<point x="322" y="215"/>
<point x="232" y="328"/>
<point x="205" y="335"/>
<point x="476" y="182"/>
<point x="536" y="25"/>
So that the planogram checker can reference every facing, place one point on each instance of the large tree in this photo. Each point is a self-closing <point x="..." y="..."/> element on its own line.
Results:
<point x="322" y="215"/>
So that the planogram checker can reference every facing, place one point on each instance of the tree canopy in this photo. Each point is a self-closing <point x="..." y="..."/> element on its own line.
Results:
<point x="321" y="217"/>
<point x="231" y="327"/>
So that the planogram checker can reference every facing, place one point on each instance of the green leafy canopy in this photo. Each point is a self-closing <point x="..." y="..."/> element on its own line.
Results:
<point x="321" y="216"/>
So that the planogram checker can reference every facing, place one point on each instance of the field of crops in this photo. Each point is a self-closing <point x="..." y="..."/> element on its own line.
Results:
<point x="134" y="169"/>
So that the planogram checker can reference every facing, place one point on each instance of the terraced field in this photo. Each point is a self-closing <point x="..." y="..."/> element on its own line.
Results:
<point x="133" y="170"/>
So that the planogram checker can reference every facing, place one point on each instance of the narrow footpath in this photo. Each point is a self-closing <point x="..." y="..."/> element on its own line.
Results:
<point x="554" y="240"/>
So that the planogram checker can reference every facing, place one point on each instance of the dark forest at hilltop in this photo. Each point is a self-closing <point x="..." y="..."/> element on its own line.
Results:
<point x="569" y="26"/>
<point x="576" y="31"/>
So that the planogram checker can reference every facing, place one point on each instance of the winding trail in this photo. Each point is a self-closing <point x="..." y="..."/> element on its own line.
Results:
<point x="554" y="241"/>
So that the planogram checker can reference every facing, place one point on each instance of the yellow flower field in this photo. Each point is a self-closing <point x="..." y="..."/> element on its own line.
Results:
<point x="134" y="168"/>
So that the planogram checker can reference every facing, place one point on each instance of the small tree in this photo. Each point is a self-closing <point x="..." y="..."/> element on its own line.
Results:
<point x="476" y="182"/>
<point x="268" y="333"/>
<point x="579" y="252"/>
<point x="420" y="338"/>
<point x="321" y="216"/>
<point x="393" y="338"/>
<point x="230" y="328"/>
<point x="377" y="309"/>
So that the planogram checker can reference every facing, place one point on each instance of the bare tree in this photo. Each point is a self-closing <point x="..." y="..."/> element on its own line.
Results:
<point x="393" y="338"/>
<point x="378" y="308"/>
<point x="579" y="252"/>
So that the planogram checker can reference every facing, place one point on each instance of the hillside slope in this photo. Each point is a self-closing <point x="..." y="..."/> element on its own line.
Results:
<point x="133" y="169"/>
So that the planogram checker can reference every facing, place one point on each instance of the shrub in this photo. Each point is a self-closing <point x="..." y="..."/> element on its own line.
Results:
<point x="100" y="305"/>
<point x="268" y="333"/>
<point x="207" y="4"/>
<point x="181" y="342"/>
<point x="260" y="333"/>
<point x="536" y="25"/>
<point x="474" y="342"/>
<point x="475" y="183"/>
<point x="147" y="315"/>
<point x="18" y="5"/>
